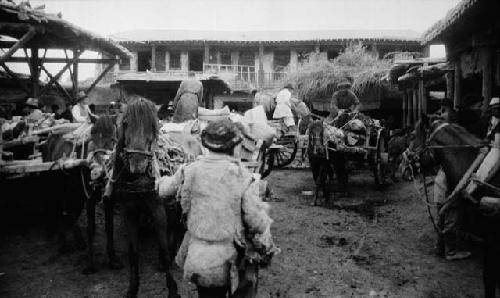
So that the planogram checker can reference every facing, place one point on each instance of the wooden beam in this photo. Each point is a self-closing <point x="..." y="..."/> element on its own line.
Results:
<point x="61" y="88"/>
<point x="63" y="60"/>
<point x="60" y="73"/>
<point x="409" y="105"/>
<point x="19" y="44"/>
<point x="415" y="104"/>
<point x="423" y="98"/>
<point x="99" y="78"/>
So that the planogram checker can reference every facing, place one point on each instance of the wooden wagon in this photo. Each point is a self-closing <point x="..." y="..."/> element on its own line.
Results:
<point x="373" y="151"/>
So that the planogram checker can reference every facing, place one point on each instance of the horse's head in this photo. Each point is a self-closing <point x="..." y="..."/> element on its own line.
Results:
<point x="103" y="137"/>
<point x="315" y="132"/>
<point x="140" y="128"/>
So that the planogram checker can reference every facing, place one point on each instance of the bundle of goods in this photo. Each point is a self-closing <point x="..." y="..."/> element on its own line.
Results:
<point x="348" y="131"/>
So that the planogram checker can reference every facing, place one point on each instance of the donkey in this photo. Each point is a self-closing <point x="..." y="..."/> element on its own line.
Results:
<point x="134" y="174"/>
<point x="320" y="165"/>
<point x="455" y="151"/>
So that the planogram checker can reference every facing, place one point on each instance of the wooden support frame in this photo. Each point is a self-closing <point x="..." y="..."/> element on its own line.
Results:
<point x="61" y="88"/>
<point x="99" y="78"/>
<point x="60" y="73"/>
<point x="19" y="44"/>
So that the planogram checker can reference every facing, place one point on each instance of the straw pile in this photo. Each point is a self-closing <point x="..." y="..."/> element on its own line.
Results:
<point x="318" y="78"/>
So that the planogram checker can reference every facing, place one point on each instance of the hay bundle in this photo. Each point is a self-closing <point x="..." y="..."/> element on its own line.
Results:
<point x="319" y="79"/>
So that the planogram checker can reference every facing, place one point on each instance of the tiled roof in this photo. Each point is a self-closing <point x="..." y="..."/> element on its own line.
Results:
<point x="265" y="36"/>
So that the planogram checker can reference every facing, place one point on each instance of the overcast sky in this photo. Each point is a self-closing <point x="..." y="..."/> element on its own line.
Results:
<point x="109" y="16"/>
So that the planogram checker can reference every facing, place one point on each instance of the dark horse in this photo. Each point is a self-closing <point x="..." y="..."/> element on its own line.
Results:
<point x="320" y="164"/>
<point x="134" y="175"/>
<point x="455" y="161"/>
<point x="100" y="147"/>
<point x="80" y="187"/>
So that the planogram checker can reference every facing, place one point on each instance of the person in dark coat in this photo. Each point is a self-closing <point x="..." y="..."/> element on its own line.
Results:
<point x="189" y="96"/>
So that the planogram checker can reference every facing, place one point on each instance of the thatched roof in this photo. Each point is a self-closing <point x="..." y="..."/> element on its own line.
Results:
<point x="267" y="37"/>
<point x="52" y="30"/>
<point x="426" y="72"/>
<point x="452" y="18"/>
<point x="319" y="78"/>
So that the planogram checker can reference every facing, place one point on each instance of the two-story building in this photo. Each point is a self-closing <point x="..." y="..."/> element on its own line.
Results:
<point x="245" y="60"/>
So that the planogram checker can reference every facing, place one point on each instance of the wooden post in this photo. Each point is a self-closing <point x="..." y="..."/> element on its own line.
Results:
<point x="35" y="72"/>
<point x="456" y="90"/>
<point x="449" y="84"/>
<point x="75" y="76"/>
<point x="419" y="101"/>
<point x="409" y="106"/>
<point x="403" y="108"/>
<point x="260" y="82"/>
<point x="218" y="57"/>
<point x="487" y="79"/>
<point x="206" y="55"/>
<point x="60" y="73"/>
<point x="316" y="48"/>
<point x="415" y="104"/>
<point x="153" y="58"/>
<point x="423" y="98"/>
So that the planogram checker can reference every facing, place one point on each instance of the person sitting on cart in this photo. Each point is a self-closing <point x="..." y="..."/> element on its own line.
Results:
<point x="344" y="99"/>
<point x="32" y="110"/>
<point x="189" y="96"/>
<point x="283" y="108"/>
<point x="225" y="217"/>
<point x="81" y="111"/>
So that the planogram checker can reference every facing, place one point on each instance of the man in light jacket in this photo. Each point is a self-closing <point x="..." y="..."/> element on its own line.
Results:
<point x="225" y="217"/>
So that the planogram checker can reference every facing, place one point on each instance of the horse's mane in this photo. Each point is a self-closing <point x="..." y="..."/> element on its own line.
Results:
<point x="456" y="132"/>
<point x="104" y="127"/>
<point x="140" y="122"/>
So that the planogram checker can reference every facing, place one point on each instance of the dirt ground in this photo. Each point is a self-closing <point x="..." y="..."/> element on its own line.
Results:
<point x="384" y="249"/>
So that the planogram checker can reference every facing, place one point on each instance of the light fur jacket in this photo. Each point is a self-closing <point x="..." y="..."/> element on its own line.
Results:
<point x="220" y="198"/>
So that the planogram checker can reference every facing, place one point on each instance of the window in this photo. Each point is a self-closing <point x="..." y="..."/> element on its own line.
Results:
<point x="225" y="57"/>
<point x="247" y="58"/>
<point x="175" y="60"/>
<point x="196" y="60"/>
<point x="144" y="61"/>
<point x="281" y="60"/>
<point x="124" y="64"/>
<point x="160" y="59"/>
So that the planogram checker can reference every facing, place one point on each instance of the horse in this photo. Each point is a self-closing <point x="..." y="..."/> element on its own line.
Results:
<point x="320" y="164"/>
<point x="134" y="176"/>
<point x="455" y="149"/>
<point x="101" y="144"/>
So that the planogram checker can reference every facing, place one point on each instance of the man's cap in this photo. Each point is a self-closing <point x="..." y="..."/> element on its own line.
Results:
<point x="288" y="86"/>
<point x="81" y="95"/>
<point x="220" y="136"/>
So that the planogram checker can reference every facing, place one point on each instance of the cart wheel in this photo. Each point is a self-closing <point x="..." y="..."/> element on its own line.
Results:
<point x="381" y="159"/>
<point x="286" y="154"/>
<point x="266" y="163"/>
